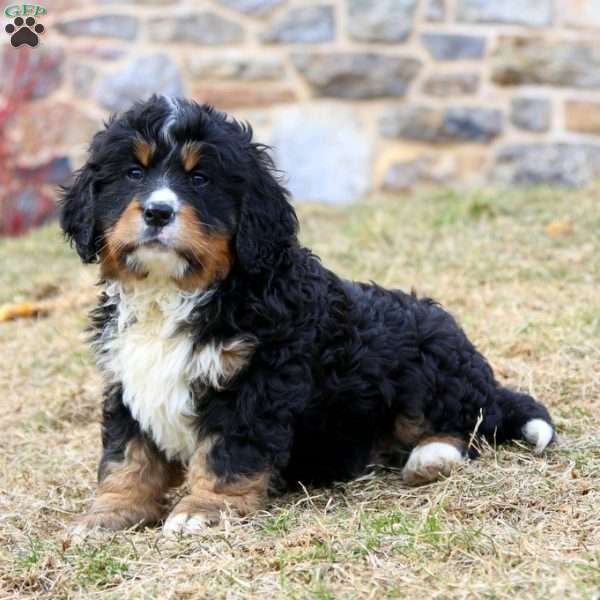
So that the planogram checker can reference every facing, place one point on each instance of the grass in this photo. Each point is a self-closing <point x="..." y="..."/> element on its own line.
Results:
<point x="519" y="269"/>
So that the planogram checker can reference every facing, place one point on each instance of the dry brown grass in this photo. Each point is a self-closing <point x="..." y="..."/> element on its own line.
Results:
<point x="507" y="526"/>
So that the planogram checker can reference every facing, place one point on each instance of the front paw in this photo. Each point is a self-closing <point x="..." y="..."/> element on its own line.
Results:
<point x="114" y="514"/>
<point x="96" y="522"/>
<point x="189" y="517"/>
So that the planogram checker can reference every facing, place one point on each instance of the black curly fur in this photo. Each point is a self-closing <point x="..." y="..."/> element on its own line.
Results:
<point x="335" y="362"/>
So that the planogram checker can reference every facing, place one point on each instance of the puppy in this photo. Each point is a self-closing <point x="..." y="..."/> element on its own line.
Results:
<point x="234" y="361"/>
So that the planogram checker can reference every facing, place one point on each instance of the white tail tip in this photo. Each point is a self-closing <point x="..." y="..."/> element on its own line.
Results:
<point x="539" y="433"/>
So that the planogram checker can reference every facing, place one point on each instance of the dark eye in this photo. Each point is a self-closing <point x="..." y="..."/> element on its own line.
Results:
<point x="135" y="174"/>
<point x="199" y="178"/>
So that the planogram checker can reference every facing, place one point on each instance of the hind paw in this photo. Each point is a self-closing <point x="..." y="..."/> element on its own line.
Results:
<point x="432" y="459"/>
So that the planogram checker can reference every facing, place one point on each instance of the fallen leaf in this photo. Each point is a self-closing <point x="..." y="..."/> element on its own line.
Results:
<point x="558" y="229"/>
<point x="23" y="310"/>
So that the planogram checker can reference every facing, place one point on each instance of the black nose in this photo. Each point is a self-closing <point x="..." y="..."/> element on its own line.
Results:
<point x="158" y="214"/>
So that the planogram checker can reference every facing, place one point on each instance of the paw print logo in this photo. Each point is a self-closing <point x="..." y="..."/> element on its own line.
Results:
<point x="24" y="32"/>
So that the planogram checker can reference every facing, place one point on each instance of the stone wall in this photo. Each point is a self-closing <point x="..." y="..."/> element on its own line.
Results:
<point x="355" y="96"/>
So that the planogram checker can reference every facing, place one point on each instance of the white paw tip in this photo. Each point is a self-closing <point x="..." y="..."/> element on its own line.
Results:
<point x="539" y="433"/>
<point x="431" y="460"/>
<point x="78" y="533"/>
<point x="82" y="532"/>
<point x="183" y="523"/>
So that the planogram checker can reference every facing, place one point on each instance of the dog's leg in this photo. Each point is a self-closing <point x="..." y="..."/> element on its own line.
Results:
<point x="235" y="466"/>
<point x="133" y="476"/>
<point x="433" y="457"/>
<point x="131" y="491"/>
<point x="210" y="496"/>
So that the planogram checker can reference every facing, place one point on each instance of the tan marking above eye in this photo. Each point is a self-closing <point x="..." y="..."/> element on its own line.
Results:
<point x="190" y="154"/>
<point x="143" y="150"/>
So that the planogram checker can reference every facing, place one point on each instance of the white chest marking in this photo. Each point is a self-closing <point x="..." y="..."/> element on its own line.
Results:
<point x="156" y="365"/>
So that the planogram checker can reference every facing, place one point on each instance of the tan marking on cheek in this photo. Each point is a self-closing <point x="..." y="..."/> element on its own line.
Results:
<point x="132" y="491"/>
<point x="209" y="496"/>
<point x="190" y="155"/>
<point x="124" y="232"/>
<point x="143" y="150"/>
<point x="211" y="250"/>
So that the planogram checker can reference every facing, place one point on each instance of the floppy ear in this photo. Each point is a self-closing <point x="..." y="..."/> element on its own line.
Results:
<point x="77" y="214"/>
<point x="267" y="223"/>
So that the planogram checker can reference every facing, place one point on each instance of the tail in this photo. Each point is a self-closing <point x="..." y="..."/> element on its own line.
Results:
<point x="521" y="417"/>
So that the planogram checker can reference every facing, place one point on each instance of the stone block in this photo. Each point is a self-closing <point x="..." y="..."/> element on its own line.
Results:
<point x="383" y="21"/>
<point x="444" y="46"/>
<point x="142" y="77"/>
<point x="435" y="11"/>
<point x="204" y="28"/>
<point x="533" y="13"/>
<point x="302" y="25"/>
<point x="243" y="95"/>
<point x="520" y="60"/>
<point x="436" y="125"/>
<point x="583" y="116"/>
<point x="82" y="79"/>
<point x="446" y="85"/>
<point x="550" y="164"/>
<point x="56" y="171"/>
<point x="531" y="114"/>
<point x="427" y="169"/>
<point x="235" y="65"/>
<point x="357" y="75"/>
<point x="100" y="51"/>
<point x="122" y="27"/>
<point x="256" y="8"/>
<point x="325" y="152"/>
<point x="472" y="123"/>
